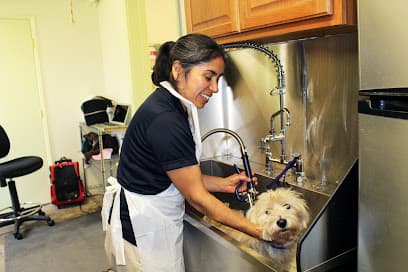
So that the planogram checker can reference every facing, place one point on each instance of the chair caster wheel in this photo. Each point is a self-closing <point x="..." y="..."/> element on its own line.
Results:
<point x="18" y="236"/>
<point x="50" y="223"/>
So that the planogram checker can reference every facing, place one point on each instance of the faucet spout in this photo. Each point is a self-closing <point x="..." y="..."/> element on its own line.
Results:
<point x="228" y="131"/>
<point x="251" y="191"/>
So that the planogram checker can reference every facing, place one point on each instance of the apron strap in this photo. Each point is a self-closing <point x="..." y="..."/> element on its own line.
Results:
<point x="112" y="196"/>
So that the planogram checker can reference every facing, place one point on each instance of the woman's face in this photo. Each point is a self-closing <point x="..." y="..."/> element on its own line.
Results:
<point x="199" y="84"/>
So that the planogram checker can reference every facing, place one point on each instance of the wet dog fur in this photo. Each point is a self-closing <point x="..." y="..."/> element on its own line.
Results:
<point x="283" y="214"/>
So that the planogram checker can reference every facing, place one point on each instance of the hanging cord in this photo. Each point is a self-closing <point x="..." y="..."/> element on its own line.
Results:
<point x="71" y="11"/>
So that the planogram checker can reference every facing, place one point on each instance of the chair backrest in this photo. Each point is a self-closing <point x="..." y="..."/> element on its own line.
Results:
<point x="4" y="143"/>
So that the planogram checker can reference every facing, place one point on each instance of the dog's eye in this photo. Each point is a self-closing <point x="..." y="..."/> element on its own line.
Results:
<point x="287" y="206"/>
<point x="268" y="211"/>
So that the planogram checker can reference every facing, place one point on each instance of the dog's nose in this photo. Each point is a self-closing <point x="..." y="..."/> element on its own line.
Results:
<point x="281" y="223"/>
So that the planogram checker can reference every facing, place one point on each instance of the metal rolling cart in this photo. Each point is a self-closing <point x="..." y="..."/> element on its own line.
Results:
<point x="100" y="130"/>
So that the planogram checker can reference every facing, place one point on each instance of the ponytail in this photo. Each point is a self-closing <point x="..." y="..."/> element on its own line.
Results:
<point x="162" y="65"/>
<point x="190" y="50"/>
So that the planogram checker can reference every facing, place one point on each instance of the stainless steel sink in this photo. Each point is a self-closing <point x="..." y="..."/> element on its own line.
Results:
<point x="207" y="248"/>
<point x="314" y="199"/>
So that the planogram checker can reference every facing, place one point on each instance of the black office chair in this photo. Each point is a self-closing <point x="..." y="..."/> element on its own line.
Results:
<point x="18" y="213"/>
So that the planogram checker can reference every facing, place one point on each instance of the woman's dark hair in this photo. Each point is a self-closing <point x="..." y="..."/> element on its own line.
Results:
<point x="190" y="50"/>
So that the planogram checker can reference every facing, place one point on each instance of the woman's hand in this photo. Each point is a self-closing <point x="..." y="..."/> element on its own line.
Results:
<point x="232" y="182"/>
<point x="227" y="184"/>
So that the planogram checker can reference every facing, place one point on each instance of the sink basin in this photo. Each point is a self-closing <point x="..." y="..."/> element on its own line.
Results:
<point x="314" y="199"/>
<point x="220" y="252"/>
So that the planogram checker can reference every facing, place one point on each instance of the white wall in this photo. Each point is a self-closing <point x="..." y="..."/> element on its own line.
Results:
<point x="163" y="20"/>
<point x="102" y="52"/>
<point x="70" y="62"/>
<point x="115" y="50"/>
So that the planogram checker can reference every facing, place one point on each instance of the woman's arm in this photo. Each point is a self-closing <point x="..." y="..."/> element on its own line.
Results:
<point x="227" y="184"/>
<point x="191" y="184"/>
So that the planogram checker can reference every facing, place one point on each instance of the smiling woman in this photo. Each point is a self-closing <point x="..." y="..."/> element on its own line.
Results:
<point x="203" y="80"/>
<point x="159" y="163"/>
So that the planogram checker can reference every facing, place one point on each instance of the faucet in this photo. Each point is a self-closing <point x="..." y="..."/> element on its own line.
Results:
<point x="268" y="158"/>
<point x="250" y="195"/>
<point x="281" y="112"/>
<point x="300" y="171"/>
<point x="273" y="137"/>
<point x="278" y="90"/>
<point x="297" y="163"/>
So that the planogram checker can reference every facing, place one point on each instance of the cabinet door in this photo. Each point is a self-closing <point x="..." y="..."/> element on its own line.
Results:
<point x="262" y="13"/>
<point x="212" y="17"/>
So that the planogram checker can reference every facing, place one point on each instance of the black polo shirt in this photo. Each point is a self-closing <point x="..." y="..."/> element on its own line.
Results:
<point x="157" y="140"/>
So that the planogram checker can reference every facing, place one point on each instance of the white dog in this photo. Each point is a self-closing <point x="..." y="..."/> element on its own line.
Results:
<point x="283" y="214"/>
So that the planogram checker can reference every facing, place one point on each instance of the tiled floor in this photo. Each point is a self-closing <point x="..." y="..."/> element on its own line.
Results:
<point x="90" y="204"/>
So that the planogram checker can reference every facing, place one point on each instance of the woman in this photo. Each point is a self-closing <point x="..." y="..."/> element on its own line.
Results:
<point x="159" y="163"/>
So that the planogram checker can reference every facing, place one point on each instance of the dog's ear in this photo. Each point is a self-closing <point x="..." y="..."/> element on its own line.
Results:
<point x="301" y="207"/>
<point x="305" y="221"/>
<point x="303" y="211"/>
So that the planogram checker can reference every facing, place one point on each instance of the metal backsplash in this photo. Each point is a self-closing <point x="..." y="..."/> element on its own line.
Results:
<point x="321" y="95"/>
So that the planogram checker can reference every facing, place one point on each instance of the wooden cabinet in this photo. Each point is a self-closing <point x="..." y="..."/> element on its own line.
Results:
<point x="234" y="20"/>
<point x="212" y="17"/>
<point x="260" y="13"/>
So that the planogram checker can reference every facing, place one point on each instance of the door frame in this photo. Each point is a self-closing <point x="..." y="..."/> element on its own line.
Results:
<point x="40" y="88"/>
<point x="39" y="81"/>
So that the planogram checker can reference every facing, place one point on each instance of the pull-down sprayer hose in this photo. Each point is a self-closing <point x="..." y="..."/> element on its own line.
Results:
<point x="249" y="44"/>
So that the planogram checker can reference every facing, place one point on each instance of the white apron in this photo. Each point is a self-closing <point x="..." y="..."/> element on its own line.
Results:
<point x="157" y="220"/>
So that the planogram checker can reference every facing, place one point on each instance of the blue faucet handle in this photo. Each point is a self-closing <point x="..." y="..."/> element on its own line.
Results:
<point x="250" y="194"/>
<point x="238" y="194"/>
<point x="276" y="181"/>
